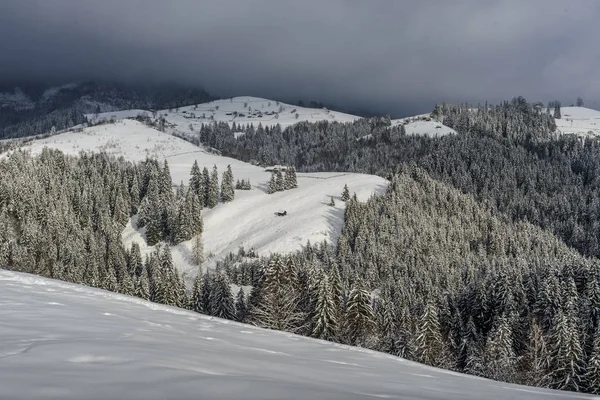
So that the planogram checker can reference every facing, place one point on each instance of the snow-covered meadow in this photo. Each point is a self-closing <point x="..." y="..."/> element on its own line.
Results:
<point x="64" y="341"/>
<point x="249" y="220"/>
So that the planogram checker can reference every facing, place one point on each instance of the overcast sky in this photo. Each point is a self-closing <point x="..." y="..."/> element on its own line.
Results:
<point x="395" y="56"/>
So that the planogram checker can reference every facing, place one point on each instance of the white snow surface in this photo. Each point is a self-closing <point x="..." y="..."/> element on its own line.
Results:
<point x="64" y="341"/>
<point x="255" y="110"/>
<point x="418" y="125"/>
<point x="250" y="219"/>
<point x="580" y="121"/>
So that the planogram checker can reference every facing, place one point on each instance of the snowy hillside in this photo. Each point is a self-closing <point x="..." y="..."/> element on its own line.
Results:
<point x="243" y="110"/>
<point x="253" y="110"/>
<point x="579" y="121"/>
<point x="63" y="341"/>
<point x="249" y="220"/>
<point x="423" y="125"/>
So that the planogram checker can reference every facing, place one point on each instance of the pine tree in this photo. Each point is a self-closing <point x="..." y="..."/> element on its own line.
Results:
<point x="557" y="114"/>
<point x="325" y="322"/>
<point x="197" y="182"/>
<point x="291" y="181"/>
<point x="272" y="184"/>
<point x="206" y="186"/>
<point x="213" y="189"/>
<point x="592" y="374"/>
<point x="566" y="368"/>
<point x="227" y="187"/>
<point x="195" y="300"/>
<point x="278" y="308"/>
<point x="499" y="355"/>
<point x="430" y="348"/>
<point x="142" y="286"/>
<point x="279" y="181"/>
<point x="221" y="299"/>
<point x="241" y="309"/>
<point x="360" y="320"/>
<point x="345" y="193"/>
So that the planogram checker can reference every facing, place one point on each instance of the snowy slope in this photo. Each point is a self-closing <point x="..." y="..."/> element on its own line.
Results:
<point x="579" y="121"/>
<point x="250" y="219"/>
<point x="419" y="125"/>
<point x="63" y="341"/>
<point x="243" y="110"/>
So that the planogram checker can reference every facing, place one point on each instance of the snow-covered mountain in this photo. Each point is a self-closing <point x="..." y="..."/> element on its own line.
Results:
<point x="249" y="220"/>
<point x="64" y="341"/>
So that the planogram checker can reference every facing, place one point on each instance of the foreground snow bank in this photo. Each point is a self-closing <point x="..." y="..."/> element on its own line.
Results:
<point x="64" y="341"/>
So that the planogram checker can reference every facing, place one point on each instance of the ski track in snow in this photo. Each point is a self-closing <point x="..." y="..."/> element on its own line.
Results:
<point x="153" y="351"/>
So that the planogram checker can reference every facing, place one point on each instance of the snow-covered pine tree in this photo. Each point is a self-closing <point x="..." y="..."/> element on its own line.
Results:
<point x="324" y="320"/>
<point x="142" y="286"/>
<point x="272" y="184"/>
<point x="430" y="348"/>
<point x="195" y="301"/>
<point x="197" y="181"/>
<point x="345" y="193"/>
<point x="360" y="320"/>
<point x="279" y="181"/>
<point x="592" y="370"/>
<point x="227" y="187"/>
<point x="213" y="189"/>
<point x="241" y="309"/>
<point x="566" y="367"/>
<point x="499" y="355"/>
<point x="205" y="185"/>
<point x="291" y="181"/>
<point x="198" y="249"/>
<point x="221" y="299"/>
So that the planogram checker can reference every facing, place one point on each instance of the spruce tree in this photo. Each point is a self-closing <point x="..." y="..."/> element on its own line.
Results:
<point x="241" y="308"/>
<point x="227" y="186"/>
<point x="279" y="181"/>
<point x="291" y="180"/>
<point x="360" y="320"/>
<point x="272" y="184"/>
<point x="221" y="299"/>
<point x="325" y="322"/>
<point x="213" y="189"/>
<point x="429" y="346"/>
<point x="345" y="193"/>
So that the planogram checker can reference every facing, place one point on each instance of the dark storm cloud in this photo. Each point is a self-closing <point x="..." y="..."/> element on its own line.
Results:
<point x="382" y="55"/>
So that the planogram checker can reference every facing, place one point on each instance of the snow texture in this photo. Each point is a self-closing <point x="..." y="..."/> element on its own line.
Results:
<point x="250" y="219"/>
<point x="579" y="121"/>
<point x="419" y="125"/>
<point x="64" y="341"/>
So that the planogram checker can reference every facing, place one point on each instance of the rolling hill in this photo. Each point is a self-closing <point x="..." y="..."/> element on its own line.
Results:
<point x="249" y="220"/>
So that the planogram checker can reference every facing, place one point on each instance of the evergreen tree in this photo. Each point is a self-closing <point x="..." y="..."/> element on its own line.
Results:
<point x="345" y="193"/>
<point x="360" y="320"/>
<point x="241" y="310"/>
<point x="197" y="182"/>
<point x="279" y="181"/>
<point x="227" y="187"/>
<point x="291" y="181"/>
<point x="499" y="355"/>
<point x="213" y="189"/>
<point x="566" y="368"/>
<point x="272" y="184"/>
<point x="429" y="346"/>
<point x="221" y="299"/>
<point x="592" y="374"/>
<point x="325" y="323"/>
<point x="206" y="182"/>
